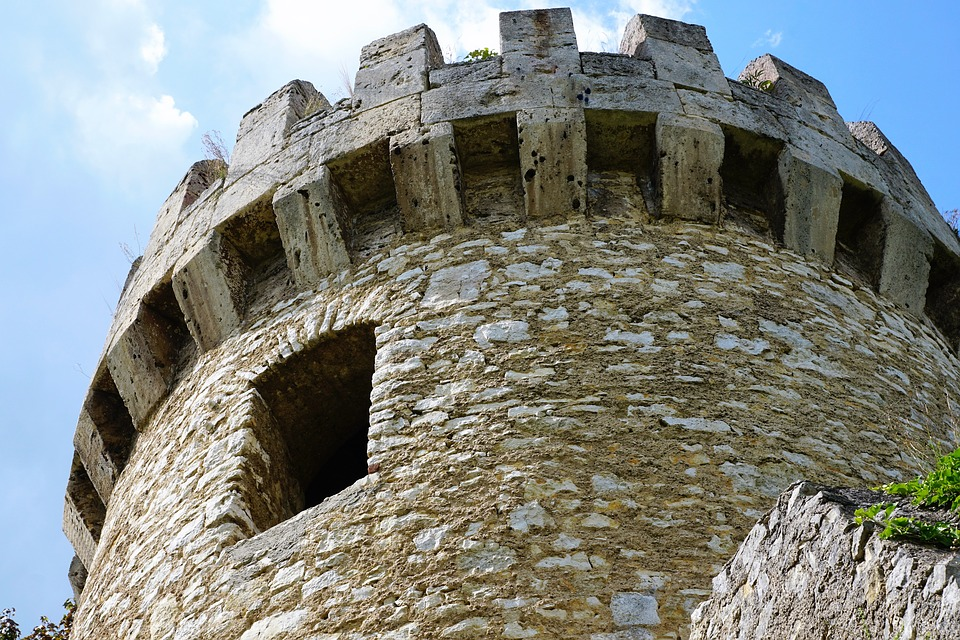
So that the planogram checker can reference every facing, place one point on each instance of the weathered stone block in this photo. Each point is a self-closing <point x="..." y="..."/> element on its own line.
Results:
<point x="142" y="378"/>
<point x="200" y="176"/>
<point x="239" y="195"/>
<point x="627" y="93"/>
<point x="732" y="113"/>
<point x="210" y="287"/>
<point x="311" y="215"/>
<point x="896" y="170"/>
<point x="465" y="72"/>
<point x="832" y="153"/>
<point x="396" y="66"/>
<point x="455" y="102"/>
<point x="688" y="176"/>
<point x="539" y="42"/>
<point x="427" y="176"/>
<point x="615" y="64"/>
<point x="337" y="136"/>
<point x="101" y="470"/>
<point x="906" y="259"/>
<point x="641" y="27"/>
<point x="83" y="514"/>
<point x="265" y="128"/>
<point x="553" y="161"/>
<point x="811" y="201"/>
<point x="681" y="53"/>
<point x="794" y="86"/>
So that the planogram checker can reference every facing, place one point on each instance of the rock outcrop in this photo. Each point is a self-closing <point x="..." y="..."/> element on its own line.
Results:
<point x="807" y="571"/>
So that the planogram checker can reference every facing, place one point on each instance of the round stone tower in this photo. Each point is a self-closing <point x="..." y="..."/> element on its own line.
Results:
<point x="514" y="348"/>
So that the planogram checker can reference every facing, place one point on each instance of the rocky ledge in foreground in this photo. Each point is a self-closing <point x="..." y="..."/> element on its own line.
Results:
<point x="807" y="570"/>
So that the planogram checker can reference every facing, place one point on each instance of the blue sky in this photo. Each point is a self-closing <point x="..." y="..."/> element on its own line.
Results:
<point x="106" y="102"/>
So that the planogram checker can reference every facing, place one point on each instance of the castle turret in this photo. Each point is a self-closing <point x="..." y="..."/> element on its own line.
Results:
<point x="513" y="348"/>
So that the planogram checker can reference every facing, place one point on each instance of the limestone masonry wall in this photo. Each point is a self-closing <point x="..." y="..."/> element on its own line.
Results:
<point x="514" y="348"/>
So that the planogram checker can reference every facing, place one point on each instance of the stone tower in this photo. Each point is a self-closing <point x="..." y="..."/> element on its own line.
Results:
<point x="514" y="348"/>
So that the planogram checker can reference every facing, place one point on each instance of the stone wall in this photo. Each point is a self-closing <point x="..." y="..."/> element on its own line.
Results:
<point x="806" y="570"/>
<point x="520" y="347"/>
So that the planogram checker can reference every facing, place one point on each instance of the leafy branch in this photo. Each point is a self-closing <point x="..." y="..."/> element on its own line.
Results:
<point x="480" y="54"/>
<point x="940" y="489"/>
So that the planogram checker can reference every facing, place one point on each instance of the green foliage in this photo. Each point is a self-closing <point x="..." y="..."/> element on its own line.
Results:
<point x="755" y="79"/>
<point x="46" y="630"/>
<point x="940" y="489"/>
<point x="9" y="629"/>
<point x="872" y="513"/>
<point x="480" y="54"/>
<point x="941" y="534"/>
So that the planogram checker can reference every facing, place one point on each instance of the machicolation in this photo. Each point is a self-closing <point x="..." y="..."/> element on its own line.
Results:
<point x="520" y="348"/>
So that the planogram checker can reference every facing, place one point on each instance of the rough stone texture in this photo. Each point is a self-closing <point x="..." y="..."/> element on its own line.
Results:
<point x="807" y="571"/>
<point x="688" y="178"/>
<point x="211" y="290"/>
<point x="77" y="575"/>
<point x="906" y="259"/>
<point x="426" y="169"/>
<point x="264" y="128"/>
<point x="794" y="86"/>
<point x="83" y="514"/>
<point x="553" y="159"/>
<point x="502" y="416"/>
<point x="142" y="364"/>
<point x="91" y="447"/>
<point x="681" y="53"/>
<point x="811" y="195"/>
<point x="396" y="66"/>
<point x="538" y="42"/>
<point x="311" y="215"/>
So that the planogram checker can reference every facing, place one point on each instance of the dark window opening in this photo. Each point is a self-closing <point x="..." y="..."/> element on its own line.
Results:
<point x="860" y="230"/>
<point x="751" y="184"/>
<point x="621" y="161"/>
<point x="489" y="152"/>
<point x="365" y="180"/>
<point x="319" y="400"/>
<point x="943" y="294"/>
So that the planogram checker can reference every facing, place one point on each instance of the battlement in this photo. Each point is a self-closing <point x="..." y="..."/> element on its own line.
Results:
<point x="540" y="135"/>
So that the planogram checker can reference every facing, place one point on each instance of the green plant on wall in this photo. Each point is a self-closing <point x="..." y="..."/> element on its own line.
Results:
<point x="940" y="489"/>
<point x="480" y="54"/>
<point x="755" y="79"/>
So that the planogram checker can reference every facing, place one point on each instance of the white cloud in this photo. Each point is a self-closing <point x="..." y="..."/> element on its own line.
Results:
<point x="123" y="137"/>
<point x="153" y="48"/>
<point x="770" y="38"/>
<point x="597" y="32"/>
<point x="464" y="27"/>
<point x="346" y="23"/>
<point x="673" y="9"/>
